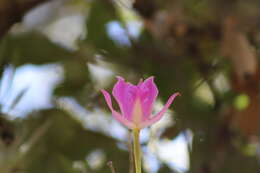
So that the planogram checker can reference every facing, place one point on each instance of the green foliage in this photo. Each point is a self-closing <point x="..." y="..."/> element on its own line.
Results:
<point x="101" y="13"/>
<point x="55" y="152"/>
<point x="31" y="47"/>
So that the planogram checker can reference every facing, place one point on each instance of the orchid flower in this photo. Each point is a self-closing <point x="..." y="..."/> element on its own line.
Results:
<point x="136" y="103"/>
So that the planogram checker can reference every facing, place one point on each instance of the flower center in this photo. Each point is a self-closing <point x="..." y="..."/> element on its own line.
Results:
<point x="137" y="113"/>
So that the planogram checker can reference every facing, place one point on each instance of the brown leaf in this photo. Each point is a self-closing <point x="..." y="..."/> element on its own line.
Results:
<point x="236" y="47"/>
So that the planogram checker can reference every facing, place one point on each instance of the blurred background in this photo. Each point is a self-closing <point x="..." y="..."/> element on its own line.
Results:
<point x="56" y="55"/>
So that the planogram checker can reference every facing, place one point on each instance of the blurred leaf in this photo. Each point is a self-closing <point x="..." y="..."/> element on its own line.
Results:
<point x="241" y="102"/>
<point x="32" y="47"/>
<point x="101" y="13"/>
<point x="7" y="132"/>
<point x="66" y="140"/>
<point x="50" y="163"/>
<point x="76" y="79"/>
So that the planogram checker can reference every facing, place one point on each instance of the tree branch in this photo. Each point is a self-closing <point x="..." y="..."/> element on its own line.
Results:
<point x="12" y="11"/>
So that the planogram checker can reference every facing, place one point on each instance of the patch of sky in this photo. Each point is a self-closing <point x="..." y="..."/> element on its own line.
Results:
<point x="174" y="152"/>
<point x="150" y="161"/>
<point x="117" y="33"/>
<point x="38" y="81"/>
<point x="96" y="159"/>
<point x="62" y="32"/>
<point x="100" y="75"/>
<point x="64" y="26"/>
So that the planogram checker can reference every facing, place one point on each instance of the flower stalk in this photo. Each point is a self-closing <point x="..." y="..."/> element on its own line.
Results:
<point x="137" y="151"/>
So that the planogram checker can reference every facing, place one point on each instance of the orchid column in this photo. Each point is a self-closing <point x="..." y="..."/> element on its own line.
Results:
<point x="136" y="104"/>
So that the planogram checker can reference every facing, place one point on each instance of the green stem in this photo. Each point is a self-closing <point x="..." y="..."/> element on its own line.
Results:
<point x="137" y="151"/>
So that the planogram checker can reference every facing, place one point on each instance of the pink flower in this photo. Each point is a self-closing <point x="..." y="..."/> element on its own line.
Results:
<point x="136" y="103"/>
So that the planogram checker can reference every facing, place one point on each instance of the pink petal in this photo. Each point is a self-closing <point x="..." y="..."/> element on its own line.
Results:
<point x="147" y="93"/>
<point x="125" y="94"/>
<point x="115" y="114"/>
<point x="159" y="115"/>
